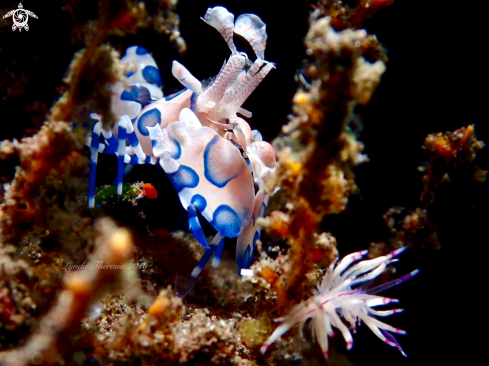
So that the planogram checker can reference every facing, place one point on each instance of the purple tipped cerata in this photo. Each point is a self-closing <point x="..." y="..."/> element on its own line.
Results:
<point x="338" y="296"/>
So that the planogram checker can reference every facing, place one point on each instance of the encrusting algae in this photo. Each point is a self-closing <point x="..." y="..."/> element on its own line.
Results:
<point x="78" y="287"/>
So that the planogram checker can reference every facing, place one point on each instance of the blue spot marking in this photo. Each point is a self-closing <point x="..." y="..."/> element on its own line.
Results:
<point x="184" y="177"/>
<point x="147" y="159"/>
<point x="226" y="221"/>
<point x="199" y="202"/>
<point x="122" y="135"/>
<point x="141" y="51"/>
<point x="174" y="95"/>
<point x="150" y="118"/>
<point x="263" y="208"/>
<point x="246" y="259"/>
<point x="177" y="155"/>
<point x="129" y="74"/>
<point x="192" y="214"/>
<point x="120" y="169"/>
<point x="110" y="145"/>
<point x="153" y="143"/>
<point x="195" y="227"/>
<point x="152" y="75"/>
<point x="91" y="182"/>
<point x="93" y="167"/>
<point x="218" y="255"/>
<point x="134" y="160"/>
<point x="137" y="93"/>
<point x="95" y="139"/>
<point x="248" y="162"/>
<point x="193" y="102"/>
<point x="209" y="166"/>
<point x="133" y="140"/>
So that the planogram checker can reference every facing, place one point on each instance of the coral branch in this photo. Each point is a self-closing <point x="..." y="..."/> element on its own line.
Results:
<point x="452" y="156"/>
<point x="451" y="180"/>
<point x="53" y="339"/>
<point x="344" y="16"/>
<point x="45" y="158"/>
<point x="92" y="70"/>
<point x="317" y="151"/>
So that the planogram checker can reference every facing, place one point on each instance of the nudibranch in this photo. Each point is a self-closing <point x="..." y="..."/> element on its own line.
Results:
<point x="339" y="295"/>
<point x="211" y="155"/>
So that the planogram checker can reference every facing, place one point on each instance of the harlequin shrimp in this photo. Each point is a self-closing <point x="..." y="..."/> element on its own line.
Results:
<point x="211" y="155"/>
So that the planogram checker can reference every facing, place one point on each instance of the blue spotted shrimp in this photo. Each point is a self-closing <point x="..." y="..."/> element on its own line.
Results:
<point x="211" y="155"/>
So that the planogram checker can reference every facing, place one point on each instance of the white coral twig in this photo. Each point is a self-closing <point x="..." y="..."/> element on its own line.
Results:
<point x="338" y="295"/>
